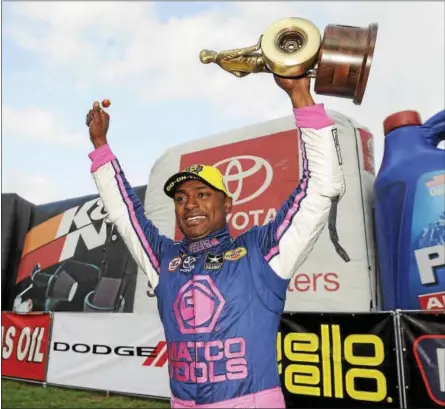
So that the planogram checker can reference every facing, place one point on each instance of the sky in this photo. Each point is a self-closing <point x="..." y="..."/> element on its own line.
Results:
<point x="59" y="57"/>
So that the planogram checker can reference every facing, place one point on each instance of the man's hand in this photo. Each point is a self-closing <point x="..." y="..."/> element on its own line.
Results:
<point x="98" y="121"/>
<point x="298" y="90"/>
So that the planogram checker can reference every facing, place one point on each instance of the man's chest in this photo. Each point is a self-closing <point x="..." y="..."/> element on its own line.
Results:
<point x="198" y="292"/>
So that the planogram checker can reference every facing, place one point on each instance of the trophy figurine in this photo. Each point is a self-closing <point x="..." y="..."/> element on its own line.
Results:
<point x="292" y="47"/>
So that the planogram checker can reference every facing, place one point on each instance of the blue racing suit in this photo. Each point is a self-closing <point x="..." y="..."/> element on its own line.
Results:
<point x="219" y="298"/>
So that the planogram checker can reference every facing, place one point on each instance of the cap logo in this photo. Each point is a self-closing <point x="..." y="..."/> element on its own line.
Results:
<point x="194" y="169"/>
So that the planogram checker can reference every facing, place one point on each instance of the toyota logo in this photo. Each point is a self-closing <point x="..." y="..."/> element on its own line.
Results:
<point x="241" y="174"/>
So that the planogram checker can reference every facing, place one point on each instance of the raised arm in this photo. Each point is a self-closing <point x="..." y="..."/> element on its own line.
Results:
<point x="124" y="208"/>
<point x="288" y="240"/>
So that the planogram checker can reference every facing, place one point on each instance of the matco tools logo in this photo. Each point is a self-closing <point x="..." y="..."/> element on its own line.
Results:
<point x="245" y="166"/>
<point x="429" y="351"/>
<point x="198" y="306"/>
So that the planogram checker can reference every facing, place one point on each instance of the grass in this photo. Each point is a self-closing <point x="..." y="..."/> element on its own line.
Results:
<point x="16" y="394"/>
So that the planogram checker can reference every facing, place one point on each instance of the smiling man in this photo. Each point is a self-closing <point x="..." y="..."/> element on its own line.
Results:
<point x="219" y="298"/>
<point x="210" y="204"/>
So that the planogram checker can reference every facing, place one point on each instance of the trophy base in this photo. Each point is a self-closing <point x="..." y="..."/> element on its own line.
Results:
<point x="290" y="46"/>
<point x="344" y="61"/>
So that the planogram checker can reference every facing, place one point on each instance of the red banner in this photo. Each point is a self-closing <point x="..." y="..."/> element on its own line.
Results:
<point x="25" y="341"/>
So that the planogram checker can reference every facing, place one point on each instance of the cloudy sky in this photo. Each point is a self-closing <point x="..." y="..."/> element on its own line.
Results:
<point x="58" y="57"/>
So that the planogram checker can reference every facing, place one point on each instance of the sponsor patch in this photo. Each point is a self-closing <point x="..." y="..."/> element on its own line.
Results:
<point x="174" y="264"/>
<point x="337" y="145"/>
<point x="236" y="254"/>
<point x="214" y="261"/>
<point x="188" y="264"/>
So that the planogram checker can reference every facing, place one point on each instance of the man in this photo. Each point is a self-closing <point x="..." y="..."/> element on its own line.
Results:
<point x="219" y="298"/>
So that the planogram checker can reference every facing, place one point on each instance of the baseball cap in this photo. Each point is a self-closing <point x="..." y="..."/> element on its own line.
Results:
<point x="205" y="173"/>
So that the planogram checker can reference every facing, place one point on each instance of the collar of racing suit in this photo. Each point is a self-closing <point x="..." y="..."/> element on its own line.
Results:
<point x="218" y="239"/>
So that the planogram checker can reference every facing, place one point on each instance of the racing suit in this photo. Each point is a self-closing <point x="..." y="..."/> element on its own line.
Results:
<point x="219" y="298"/>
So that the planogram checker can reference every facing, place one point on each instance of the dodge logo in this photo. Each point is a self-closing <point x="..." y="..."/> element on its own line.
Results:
<point x="198" y="306"/>
<point x="241" y="174"/>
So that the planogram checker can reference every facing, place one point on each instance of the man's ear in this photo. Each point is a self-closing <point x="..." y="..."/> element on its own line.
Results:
<point x="227" y="204"/>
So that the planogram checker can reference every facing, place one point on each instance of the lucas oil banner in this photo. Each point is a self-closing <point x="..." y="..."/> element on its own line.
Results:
<point x="338" y="360"/>
<point x="25" y="341"/>
<point x="72" y="259"/>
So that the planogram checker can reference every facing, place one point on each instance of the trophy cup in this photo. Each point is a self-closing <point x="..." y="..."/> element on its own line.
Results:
<point x="292" y="47"/>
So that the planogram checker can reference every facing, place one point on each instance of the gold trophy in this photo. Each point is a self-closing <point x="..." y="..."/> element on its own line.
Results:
<point x="292" y="47"/>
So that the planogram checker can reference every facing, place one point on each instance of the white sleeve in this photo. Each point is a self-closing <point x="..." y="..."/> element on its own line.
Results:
<point x="126" y="211"/>
<point x="287" y="241"/>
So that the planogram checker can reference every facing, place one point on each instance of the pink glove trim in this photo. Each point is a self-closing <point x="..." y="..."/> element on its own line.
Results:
<point x="313" y="116"/>
<point x="100" y="157"/>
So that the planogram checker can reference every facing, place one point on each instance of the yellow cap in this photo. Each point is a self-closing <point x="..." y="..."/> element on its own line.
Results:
<point x="207" y="174"/>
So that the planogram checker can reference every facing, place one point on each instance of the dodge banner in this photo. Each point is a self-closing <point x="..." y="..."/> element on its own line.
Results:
<point x="423" y="337"/>
<point x="116" y="352"/>
<point x="25" y="345"/>
<point x="338" y="360"/>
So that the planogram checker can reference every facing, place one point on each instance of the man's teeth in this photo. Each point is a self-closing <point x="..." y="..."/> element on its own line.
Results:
<point x="192" y="219"/>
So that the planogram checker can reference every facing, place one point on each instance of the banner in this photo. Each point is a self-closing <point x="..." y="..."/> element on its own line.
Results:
<point x="338" y="360"/>
<point x="25" y="341"/>
<point x="116" y="352"/>
<point x="423" y="337"/>
<point x="73" y="259"/>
